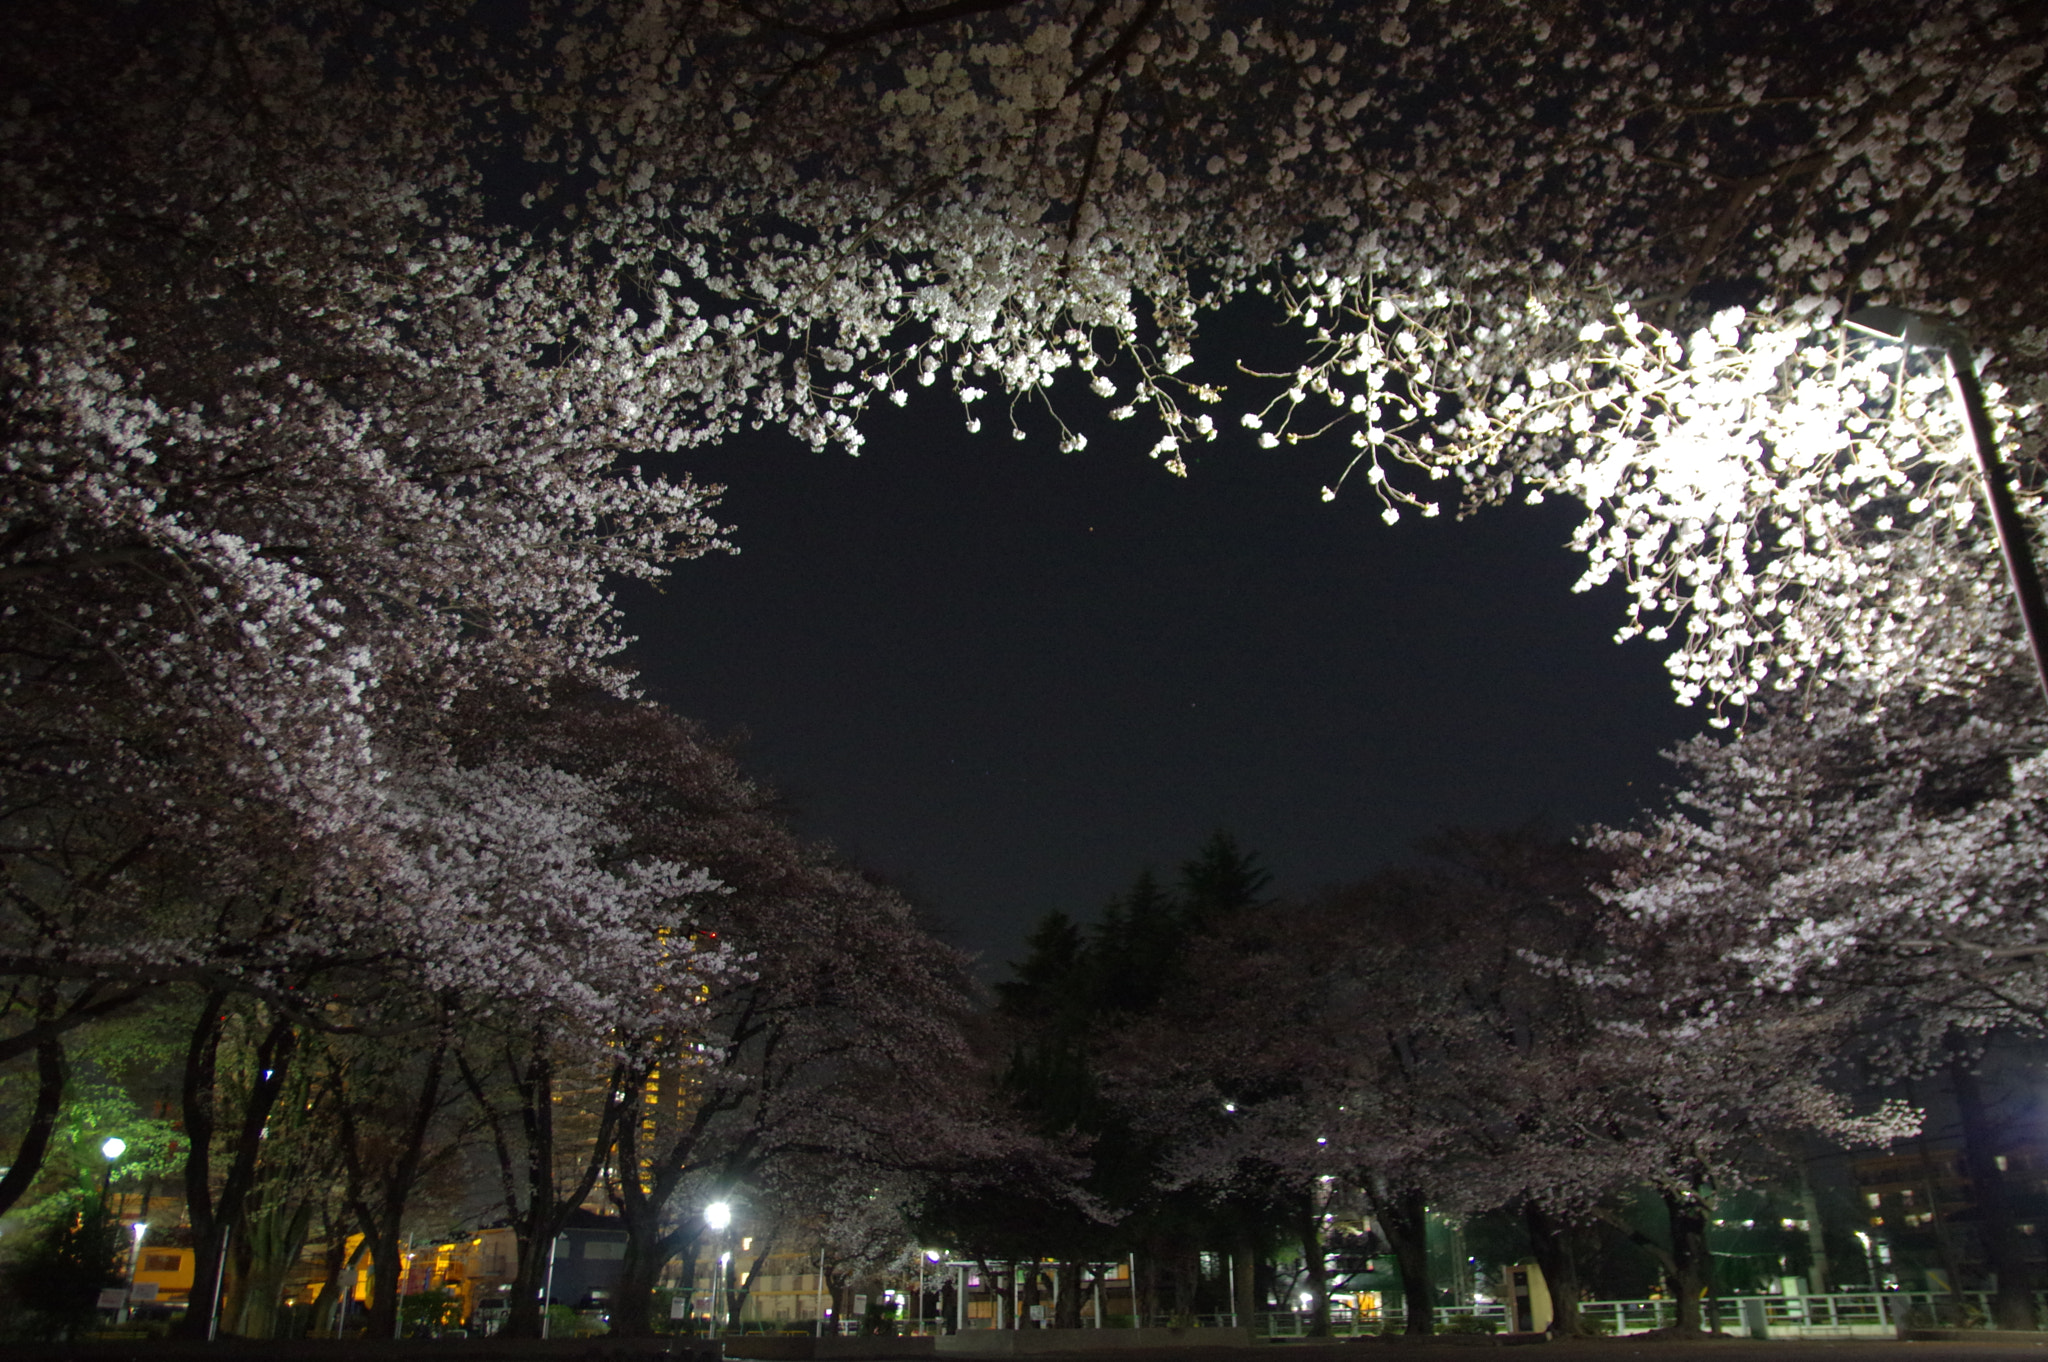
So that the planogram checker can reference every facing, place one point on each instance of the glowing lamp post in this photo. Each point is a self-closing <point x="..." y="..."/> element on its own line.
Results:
<point x="718" y="1216"/>
<point x="111" y="1150"/>
<point x="138" y="1229"/>
<point x="1914" y="331"/>
<point x="928" y="1256"/>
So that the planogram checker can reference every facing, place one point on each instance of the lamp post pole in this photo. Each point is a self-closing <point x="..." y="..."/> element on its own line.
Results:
<point x="139" y="1229"/>
<point x="718" y="1217"/>
<point x="547" y="1291"/>
<point x="2013" y="541"/>
<point x="2014" y="544"/>
<point x="111" y="1150"/>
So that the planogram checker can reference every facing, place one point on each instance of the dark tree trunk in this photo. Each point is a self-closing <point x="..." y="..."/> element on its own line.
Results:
<point x="212" y="1215"/>
<point x="1553" y="1243"/>
<point x="686" y="1282"/>
<point x="326" y="1318"/>
<point x="269" y="1251"/>
<point x="536" y="1207"/>
<point x="1819" y="1273"/>
<point x="384" y="1192"/>
<point x="1067" y="1314"/>
<point x="647" y="1252"/>
<point x="839" y="1290"/>
<point x="737" y="1294"/>
<point x="1689" y="1261"/>
<point x="648" y="1248"/>
<point x="2012" y="1307"/>
<point x="995" y="1290"/>
<point x="1404" y="1220"/>
<point x="1187" y="1282"/>
<point x="51" y="1076"/>
<point x="387" y="1274"/>
<point x="1316" y="1267"/>
<point x="529" y="1279"/>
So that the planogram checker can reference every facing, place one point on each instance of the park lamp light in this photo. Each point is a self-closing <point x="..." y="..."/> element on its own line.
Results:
<point x="1915" y="331"/>
<point x="138" y="1229"/>
<point x="112" y="1148"/>
<point x="718" y="1216"/>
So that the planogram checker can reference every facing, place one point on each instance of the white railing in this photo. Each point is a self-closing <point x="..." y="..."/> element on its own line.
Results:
<point x="1841" y="1314"/>
<point x="1838" y="1314"/>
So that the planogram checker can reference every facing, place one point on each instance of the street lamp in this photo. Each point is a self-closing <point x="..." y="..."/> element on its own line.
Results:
<point x="111" y="1149"/>
<point x="931" y="1256"/>
<point x="1915" y="331"/>
<point x="718" y="1215"/>
<point x="138" y="1229"/>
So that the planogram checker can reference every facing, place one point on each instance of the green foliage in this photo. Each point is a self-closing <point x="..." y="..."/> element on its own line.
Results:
<point x="52" y="1284"/>
<point x="1072" y="979"/>
<point x="1221" y="881"/>
<point x="423" y="1312"/>
<point x="566" y="1323"/>
<point x="1468" y="1324"/>
<point x="117" y="1070"/>
<point x="1076" y="986"/>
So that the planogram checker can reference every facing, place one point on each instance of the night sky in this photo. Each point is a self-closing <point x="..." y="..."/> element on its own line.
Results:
<point x="1009" y="678"/>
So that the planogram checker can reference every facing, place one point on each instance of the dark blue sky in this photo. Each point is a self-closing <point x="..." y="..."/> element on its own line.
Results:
<point x="1010" y="678"/>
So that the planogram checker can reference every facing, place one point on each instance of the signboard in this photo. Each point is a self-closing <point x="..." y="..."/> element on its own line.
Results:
<point x="113" y="1297"/>
<point x="142" y="1291"/>
<point x="678" y="1306"/>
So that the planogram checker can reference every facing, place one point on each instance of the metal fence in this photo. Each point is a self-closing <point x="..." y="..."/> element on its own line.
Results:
<point x="1842" y="1314"/>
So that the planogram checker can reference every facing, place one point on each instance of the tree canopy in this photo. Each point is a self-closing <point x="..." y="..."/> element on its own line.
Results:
<point x="350" y="355"/>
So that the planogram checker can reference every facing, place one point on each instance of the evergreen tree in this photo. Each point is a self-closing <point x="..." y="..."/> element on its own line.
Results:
<point x="55" y="1281"/>
<point x="1073" y="992"/>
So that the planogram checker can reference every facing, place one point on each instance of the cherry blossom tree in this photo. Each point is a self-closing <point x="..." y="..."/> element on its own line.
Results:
<point x="846" y="1006"/>
<point x="780" y="214"/>
<point x="340" y="344"/>
<point x="488" y="889"/>
<point x="287" y="468"/>
<point x="1484" y="1036"/>
<point x="1884" y="849"/>
<point x="1879" y="859"/>
<point x="327" y="375"/>
<point x="819" y="1001"/>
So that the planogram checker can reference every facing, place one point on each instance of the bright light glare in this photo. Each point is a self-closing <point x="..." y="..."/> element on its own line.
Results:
<point x="115" y="1147"/>
<point x="718" y="1215"/>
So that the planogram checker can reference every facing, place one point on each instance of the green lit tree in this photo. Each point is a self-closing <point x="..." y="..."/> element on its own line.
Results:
<point x="55" y="1279"/>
